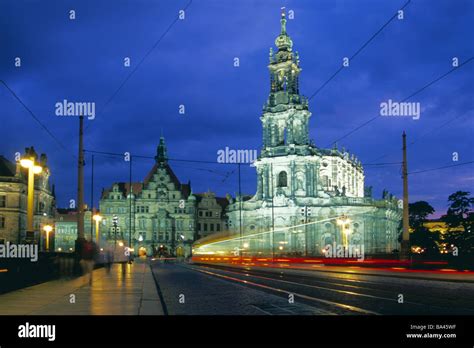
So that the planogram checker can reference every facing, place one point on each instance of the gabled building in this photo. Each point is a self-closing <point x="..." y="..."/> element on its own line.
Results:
<point x="211" y="217"/>
<point x="162" y="211"/>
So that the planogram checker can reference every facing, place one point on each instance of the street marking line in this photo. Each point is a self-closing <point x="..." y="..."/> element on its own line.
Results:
<point x="257" y="307"/>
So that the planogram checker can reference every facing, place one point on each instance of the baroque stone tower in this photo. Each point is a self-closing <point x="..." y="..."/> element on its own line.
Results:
<point x="303" y="190"/>
<point x="286" y="115"/>
<point x="285" y="121"/>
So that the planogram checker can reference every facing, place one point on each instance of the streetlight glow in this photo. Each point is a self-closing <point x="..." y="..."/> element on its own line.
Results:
<point x="29" y="162"/>
<point x="344" y="222"/>
<point x="26" y="163"/>
<point x="47" y="229"/>
<point x="37" y="169"/>
<point x="97" y="218"/>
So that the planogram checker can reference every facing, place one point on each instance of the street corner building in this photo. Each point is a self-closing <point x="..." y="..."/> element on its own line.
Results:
<point x="165" y="215"/>
<point x="13" y="200"/>
<point x="303" y="191"/>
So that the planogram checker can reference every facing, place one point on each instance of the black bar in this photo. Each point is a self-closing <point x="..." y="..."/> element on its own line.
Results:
<point x="287" y="330"/>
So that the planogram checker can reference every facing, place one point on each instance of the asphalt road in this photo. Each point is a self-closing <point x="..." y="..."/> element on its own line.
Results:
<point x="212" y="289"/>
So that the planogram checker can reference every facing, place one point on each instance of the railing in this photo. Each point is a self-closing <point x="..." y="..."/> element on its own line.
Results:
<point x="19" y="273"/>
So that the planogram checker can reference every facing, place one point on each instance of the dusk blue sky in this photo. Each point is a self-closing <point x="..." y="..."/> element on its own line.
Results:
<point x="82" y="60"/>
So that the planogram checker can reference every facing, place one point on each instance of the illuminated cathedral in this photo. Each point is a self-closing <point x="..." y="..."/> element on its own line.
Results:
<point x="308" y="197"/>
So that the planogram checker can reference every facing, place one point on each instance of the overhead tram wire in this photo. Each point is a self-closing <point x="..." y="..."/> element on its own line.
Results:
<point x="226" y="175"/>
<point x="420" y="137"/>
<point x="203" y="170"/>
<point x="115" y="154"/>
<point x="360" y="49"/>
<point x="381" y="165"/>
<point x="439" y="168"/>
<point x="143" y="59"/>
<point x="151" y="157"/>
<point x="32" y="114"/>
<point x="405" y="99"/>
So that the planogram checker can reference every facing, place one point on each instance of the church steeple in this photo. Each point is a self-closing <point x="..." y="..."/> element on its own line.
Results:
<point x="283" y="41"/>
<point x="283" y="21"/>
<point x="284" y="70"/>
<point x="285" y="114"/>
<point x="161" y="153"/>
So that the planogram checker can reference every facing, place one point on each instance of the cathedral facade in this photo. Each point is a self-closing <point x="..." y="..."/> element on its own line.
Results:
<point x="307" y="196"/>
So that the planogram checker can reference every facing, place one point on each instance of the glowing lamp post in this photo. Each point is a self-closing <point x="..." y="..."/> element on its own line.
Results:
<point x="47" y="229"/>
<point x="344" y="222"/>
<point x="97" y="218"/>
<point x="29" y="163"/>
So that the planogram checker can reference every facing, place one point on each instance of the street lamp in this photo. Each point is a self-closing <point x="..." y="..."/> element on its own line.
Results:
<point x="97" y="218"/>
<point x="344" y="222"/>
<point x="29" y="163"/>
<point x="47" y="229"/>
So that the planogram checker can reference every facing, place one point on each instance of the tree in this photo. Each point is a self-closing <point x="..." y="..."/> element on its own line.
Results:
<point x="418" y="212"/>
<point x="426" y="240"/>
<point x="460" y="211"/>
<point x="421" y="236"/>
<point x="460" y="214"/>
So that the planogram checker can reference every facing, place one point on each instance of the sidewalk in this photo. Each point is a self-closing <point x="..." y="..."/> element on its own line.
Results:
<point x="131" y="293"/>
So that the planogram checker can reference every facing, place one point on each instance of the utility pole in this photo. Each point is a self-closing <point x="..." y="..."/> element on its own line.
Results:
<point x="130" y="214"/>
<point x="405" y="245"/>
<point x="92" y="198"/>
<point x="80" y="189"/>
<point x="240" y="214"/>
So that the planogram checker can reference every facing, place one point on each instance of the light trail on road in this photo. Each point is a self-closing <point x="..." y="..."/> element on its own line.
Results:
<point x="375" y="297"/>
<point x="306" y="297"/>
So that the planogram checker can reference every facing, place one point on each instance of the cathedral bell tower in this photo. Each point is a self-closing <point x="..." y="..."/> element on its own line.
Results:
<point x="285" y="114"/>
<point x="287" y="167"/>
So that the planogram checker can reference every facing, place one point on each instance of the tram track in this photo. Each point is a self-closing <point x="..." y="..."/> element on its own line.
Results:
<point x="367" y="297"/>
<point x="309" y="300"/>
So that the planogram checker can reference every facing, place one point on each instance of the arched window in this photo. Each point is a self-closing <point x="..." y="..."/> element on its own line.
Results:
<point x="282" y="179"/>
<point x="327" y="240"/>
